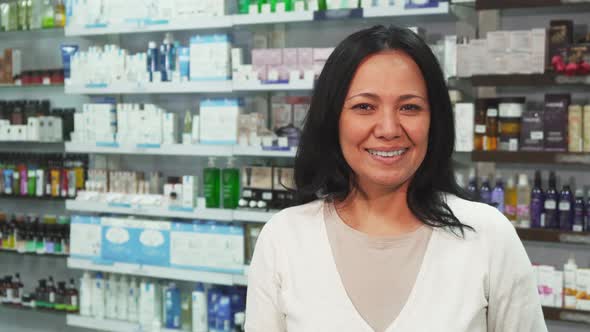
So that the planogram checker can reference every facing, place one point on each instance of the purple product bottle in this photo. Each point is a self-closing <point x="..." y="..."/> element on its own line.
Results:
<point x="485" y="192"/>
<point x="472" y="186"/>
<point x="579" y="212"/>
<point x="565" y="208"/>
<point x="551" y="197"/>
<point x="587" y="223"/>
<point x="537" y="203"/>
<point x="498" y="194"/>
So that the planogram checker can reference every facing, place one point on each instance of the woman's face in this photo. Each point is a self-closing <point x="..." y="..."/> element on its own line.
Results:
<point x="383" y="128"/>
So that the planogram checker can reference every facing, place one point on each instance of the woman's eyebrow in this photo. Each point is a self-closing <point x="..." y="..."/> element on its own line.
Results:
<point x="364" y="94"/>
<point x="410" y="96"/>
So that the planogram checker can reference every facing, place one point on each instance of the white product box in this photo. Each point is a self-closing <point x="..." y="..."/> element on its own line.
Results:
<point x="450" y="56"/>
<point x="19" y="133"/>
<point x="210" y="57"/>
<point x="520" y="41"/>
<point x="33" y="129"/>
<point x="546" y="282"/>
<point x="4" y="130"/>
<point x="169" y="128"/>
<point x="207" y="246"/>
<point x="219" y="121"/>
<point x="188" y="191"/>
<point x="557" y="289"/>
<point x="538" y="50"/>
<point x="463" y="66"/>
<point x="464" y="117"/>
<point x="195" y="130"/>
<point x="85" y="237"/>
<point x="498" y="41"/>
<point x="583" y="286"/>
<point x="478" y="61"/>
<point x="178" y="189"/>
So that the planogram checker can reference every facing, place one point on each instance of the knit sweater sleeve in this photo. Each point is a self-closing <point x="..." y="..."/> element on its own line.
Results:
<point x="263" y="308"/>
<point x="513" y="299"/>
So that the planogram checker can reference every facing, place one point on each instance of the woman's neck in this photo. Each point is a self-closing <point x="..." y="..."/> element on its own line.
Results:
<point x="378" y="212"/>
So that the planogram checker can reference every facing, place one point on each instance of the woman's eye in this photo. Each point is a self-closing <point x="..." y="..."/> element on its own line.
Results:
<point x="364" y="107"/>
<point x="411" y="108"/>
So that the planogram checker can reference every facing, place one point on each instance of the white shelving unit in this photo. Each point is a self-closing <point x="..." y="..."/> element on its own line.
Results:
<point x="197" y="23"/>
<point x="158" y="272"/>
<point x="197" y="214"/>
<point x="291" y="17"/>
<point x="109" y="325"/>
<point x="135" y="210"/>
<point x="200" y="150"/>
<point x="441" y="9"/>
<point x="224" y="86"/>
<point x="163" y="150"/>
<point x="301" y="85"/>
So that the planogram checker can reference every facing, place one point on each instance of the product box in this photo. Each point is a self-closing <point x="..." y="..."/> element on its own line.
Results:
<point x="545" y="279"/>
<point x="119" y="238"/>
<point x="575" y="135"/>
<point x="154" y="242"/>
<point x="464" y="126"/>
<point x="538" y="50"/>
<point x="207" y="246"/>
<point x="305" y="57"/>
<point x="283" y="186"/>
<point x="586" y="128"/>
<point x="184" y="63"/>
<point x="282" y="112"/>
<point x="532" y="131"/>
<point x="478" y="62"/>
<point x="583" y="286"/>
<point x="555" y="119"/>
<point x="85" y="237"/>
<point x="257" y="184"/>
<point x="557" y="287"/>
<point x="219" y="120"/>
<point x="561" y="34"/>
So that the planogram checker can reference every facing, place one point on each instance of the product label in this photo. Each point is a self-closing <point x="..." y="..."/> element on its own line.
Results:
<point x="74" y="301"/>
<point x="51" y="297"/>
<point x="510" y="210"/>
<point x="480" y="129"/>
<point x="564" y="206"/>
<point x="578" y="228"/>
<point x="550" y="205"/>
<point x="492" y="112"/>
<point x="536" y="135"/>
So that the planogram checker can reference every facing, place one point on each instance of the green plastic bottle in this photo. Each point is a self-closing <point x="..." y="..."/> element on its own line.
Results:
<point x="243" y="6"/>
<point x="48" y="19"/>
<point x="212" y="184"/>
<point x="231" y="185"/>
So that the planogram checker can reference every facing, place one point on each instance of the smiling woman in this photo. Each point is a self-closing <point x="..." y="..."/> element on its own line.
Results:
<point x="383" y="239"/>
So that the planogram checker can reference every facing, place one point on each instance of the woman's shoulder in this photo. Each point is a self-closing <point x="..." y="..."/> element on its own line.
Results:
<point x="486" y="220"/>
<point x="296" y="219"/>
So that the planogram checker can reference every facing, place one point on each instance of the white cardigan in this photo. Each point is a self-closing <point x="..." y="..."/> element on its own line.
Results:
<point x="481" y="283"/>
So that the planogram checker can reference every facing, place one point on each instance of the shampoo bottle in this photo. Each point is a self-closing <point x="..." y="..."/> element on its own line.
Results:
<point x="565" y="209"/>
<point x="472" y="186"/>
<point x="211" y="184"/>
<point x="498" y="194"/>
<point x="185" y="311"/>
<point x="133" y="301"/>
<point x="172" y="307"/>
<point x="122" y="297"/>
<point x="551" y="197"/>
<point x="579" y="212"/>
<point x="510" y="200"/>
<point x="570" y="283"/>
<point x="98" y="296"/>
<point x="86" y="294"/>
<point x="537" y="201"/>
<point x="199" y="304"/>
<point x="111" y="290"/>
<point x="485" y="192"/>
<point x="231" y="185"/>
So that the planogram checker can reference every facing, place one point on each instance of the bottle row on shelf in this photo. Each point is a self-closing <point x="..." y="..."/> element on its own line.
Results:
<point x="528" y="206"/>
<point x="34" y="121"/>
<point x="154" y="304"/>
<point x="32" y="14"/>
<point x="30" y="234"/>
<point x="60" y="296"/>
<point x="569" y="289"/>
<point x="512" y="124"/>
<point x="45" y="175"/>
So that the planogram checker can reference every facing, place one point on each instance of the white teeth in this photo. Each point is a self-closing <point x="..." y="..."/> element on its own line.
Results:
<point x="387" y="154"/>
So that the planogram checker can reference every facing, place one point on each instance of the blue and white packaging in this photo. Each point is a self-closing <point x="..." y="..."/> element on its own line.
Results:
<point x="154" y="243"/>
<point x="210" y="57"/>
<point x="67" y="51"/>
<point x="210" y="246"/>
<point x="219" y="120"/>
<point x="85" y="237"/>
<point x="423" y="3"/>
<point x="213" y="296"/>
<point x="184" y="57"/>
<point x="120" y="240"/>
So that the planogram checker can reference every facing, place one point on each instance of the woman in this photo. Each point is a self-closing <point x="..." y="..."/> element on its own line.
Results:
<point x="382" y="239"/>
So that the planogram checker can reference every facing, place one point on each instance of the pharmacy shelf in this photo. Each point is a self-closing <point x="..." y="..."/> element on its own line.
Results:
<point x="253" y="216"/>
<point x="554" y="236"/>
<point x="224" y="86"/>
<point x="135" y="210"/>
<point x="567" y="315"/>
<point x="513" y="4"/>
<point x="32" y="147"/>
<point x="290" y="17"/>
<point x="253" y="151"/>
<point x="14" y="252"/>
<point x="529" y="157"/>
<point x="548" y="79"/>
<point x="110" y="325"/>
<point x="253" y="85"/>
<point x="30" y="86"/>
<point x="158" y="272"/>
<point x="196" y="23"/>
<point x="24" y="34"/>
<point x="199" y="150"/>
<point x="35" y="198"/>
<point x="151" y="149"/>
<point x="441" y="9"/>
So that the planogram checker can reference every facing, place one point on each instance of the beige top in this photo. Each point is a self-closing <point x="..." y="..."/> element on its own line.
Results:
<point x="378" y="273"/>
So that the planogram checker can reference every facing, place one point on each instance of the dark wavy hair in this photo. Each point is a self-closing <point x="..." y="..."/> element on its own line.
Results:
<point x="320" y="167"/>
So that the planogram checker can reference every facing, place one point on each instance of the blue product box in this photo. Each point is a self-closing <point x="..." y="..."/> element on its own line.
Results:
<point x="184" y="57"/>
<point x="120" y="240"/>
<point x="154" y="243"/>
<point x="85" y="237"/>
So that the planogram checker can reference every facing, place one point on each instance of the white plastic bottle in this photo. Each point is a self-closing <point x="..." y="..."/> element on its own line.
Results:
<point x="199" y="305"/>
<point x="98" y="296"/>
<point x="570" y="283"/>
<point x="86" y="294"/>
<point x="133" y="301"/>
<point x="111" y="289"/>
<point x="122" y="311"/>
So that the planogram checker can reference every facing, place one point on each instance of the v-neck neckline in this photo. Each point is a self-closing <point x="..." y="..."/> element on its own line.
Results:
<point x="342" y="290"/>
